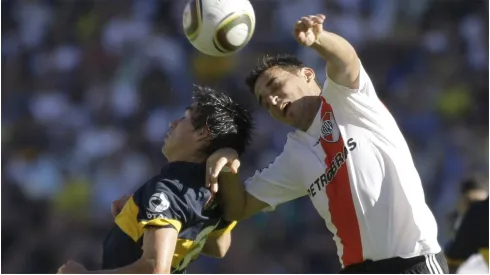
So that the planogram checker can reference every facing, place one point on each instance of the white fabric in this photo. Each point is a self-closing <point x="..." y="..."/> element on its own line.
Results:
<point x="358" y="171"/>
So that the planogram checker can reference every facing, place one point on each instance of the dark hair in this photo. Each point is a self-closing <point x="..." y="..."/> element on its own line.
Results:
<point x="286" y="62"/>
<point x="475" y="182"/>
<point x="229" y="123"/>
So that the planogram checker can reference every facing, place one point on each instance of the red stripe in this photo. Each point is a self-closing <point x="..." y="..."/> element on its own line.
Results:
<point x="341" y="204"/>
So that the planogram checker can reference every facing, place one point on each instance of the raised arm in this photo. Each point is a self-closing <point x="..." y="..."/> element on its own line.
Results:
<point x="342" y="61"/>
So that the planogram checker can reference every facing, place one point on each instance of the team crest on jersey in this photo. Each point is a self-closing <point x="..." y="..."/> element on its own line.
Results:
<point x="158" y="203"/>
<point x="330" y="131"/>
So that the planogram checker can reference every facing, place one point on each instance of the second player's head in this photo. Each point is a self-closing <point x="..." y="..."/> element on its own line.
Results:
<point x="211" y="122"/>
<point x="282" y="85"/>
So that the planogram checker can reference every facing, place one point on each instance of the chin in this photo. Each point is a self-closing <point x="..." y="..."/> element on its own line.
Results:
<point x="163" y="150"/>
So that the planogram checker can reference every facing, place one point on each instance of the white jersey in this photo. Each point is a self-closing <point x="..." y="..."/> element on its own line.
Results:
<point x="357" y="169"/>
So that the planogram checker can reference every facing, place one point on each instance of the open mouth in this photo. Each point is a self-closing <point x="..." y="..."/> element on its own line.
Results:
<point x="285" y="109"/>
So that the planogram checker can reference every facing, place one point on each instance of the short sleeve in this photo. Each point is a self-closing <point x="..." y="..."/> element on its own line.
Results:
<point x="159" y="205"/>
<point x="365" y="86"/>
<point x="279" y="182"/>
<point x="224" y="227"/>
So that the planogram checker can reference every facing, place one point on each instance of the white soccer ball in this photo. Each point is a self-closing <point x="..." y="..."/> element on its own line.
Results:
<point x="219" y="27"/>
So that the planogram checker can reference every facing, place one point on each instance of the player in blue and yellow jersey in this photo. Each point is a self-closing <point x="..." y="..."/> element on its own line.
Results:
<point x="171" y="218"/>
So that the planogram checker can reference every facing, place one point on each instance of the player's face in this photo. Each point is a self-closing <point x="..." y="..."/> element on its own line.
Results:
<point x="182" y="139"/>
<point x="280" y="92"/>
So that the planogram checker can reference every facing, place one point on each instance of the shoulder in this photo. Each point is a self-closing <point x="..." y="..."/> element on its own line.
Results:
<point x="366" y="88"/>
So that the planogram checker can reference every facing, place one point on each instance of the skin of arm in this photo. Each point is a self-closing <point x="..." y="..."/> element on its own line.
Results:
<point x="342" y="61"/>
<point x="217" y="247"/>
<point x="239" y="203"/>
<point x="158" y="251"/>
<point x="222" y="167"/>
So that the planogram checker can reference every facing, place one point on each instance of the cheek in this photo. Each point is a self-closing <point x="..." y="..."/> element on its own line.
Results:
<point x="293" y="90"/>
<point x="274" y="113"/>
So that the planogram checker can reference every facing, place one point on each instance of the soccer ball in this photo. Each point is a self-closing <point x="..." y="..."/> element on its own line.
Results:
<point x="219" y="27"/>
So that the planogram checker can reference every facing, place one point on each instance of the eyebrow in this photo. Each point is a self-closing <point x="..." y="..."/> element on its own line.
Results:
<point x="270" y="81"/>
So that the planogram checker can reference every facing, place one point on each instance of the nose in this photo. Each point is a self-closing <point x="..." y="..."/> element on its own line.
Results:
<point x="273" y="100"/>
<point x="173" y="124"/>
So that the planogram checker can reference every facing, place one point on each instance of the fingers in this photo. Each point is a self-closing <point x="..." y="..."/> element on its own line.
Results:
<point x="118" y="205"/>
<point x="213" y="174"/>
<point x="317" y="19"/>
<point x="218" y="167"/>
<point x="321" y="17"/>
<point x="307" y="22"/>
<point x="235" y="164"/>
<point x="218" y="162"/>
<point x="114" y="209"/>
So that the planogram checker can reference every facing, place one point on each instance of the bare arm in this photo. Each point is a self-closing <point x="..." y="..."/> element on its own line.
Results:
<point x="268" y="188"/>
<point x="217" y="247"/>
<point x="342" y="61"/>
<point x="239" y="204"/>
<point x="158" y="250"/>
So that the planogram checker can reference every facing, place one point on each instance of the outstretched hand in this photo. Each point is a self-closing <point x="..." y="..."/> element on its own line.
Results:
<point x="307" y="30"/>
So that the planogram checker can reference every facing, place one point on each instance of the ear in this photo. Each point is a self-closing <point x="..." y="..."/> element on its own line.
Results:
<point x="308" y="73"/>
<point x="201" y="134"/>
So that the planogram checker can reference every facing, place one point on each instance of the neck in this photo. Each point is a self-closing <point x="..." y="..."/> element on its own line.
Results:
<point x="197" y="158"/>
<point x="312" y="104"/>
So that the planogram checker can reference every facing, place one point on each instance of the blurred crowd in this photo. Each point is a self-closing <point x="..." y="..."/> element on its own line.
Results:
<point x="89" y="87"/>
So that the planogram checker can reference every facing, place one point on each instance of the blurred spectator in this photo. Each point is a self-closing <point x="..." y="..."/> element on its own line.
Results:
<point x="90" y="86"/>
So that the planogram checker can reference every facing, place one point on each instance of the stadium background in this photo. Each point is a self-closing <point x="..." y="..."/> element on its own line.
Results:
<point x="88" y="89"/>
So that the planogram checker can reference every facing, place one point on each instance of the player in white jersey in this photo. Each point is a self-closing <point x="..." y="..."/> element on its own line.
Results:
<point x="347" y="154"/>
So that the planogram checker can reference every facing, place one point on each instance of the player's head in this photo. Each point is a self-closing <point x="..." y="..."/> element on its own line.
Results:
<point x="211" y="122"/>
<point x="474" y="188"/>
<point x="280" y="83"/>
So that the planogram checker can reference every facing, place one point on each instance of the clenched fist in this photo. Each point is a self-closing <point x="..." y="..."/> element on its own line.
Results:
<point x="307" y="30"/>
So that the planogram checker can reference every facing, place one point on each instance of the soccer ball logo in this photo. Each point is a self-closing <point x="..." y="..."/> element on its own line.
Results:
<point x="158" y="203"/>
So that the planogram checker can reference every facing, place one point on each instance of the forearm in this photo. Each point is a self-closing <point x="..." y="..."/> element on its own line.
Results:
<point x="217" y="247"/>
<point x="233" y="195"/>
<point x="335" y="49"/>
<point x="141" y="266"/>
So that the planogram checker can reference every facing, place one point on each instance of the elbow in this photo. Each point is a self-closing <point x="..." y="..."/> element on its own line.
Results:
<point x="217" y="248"/>
<point x="160" y="268"/>
<point x="150" y="266"/>
<point x="218" y="254"/>
<point x="221" y="251"/>
<point x="160" y="271"/>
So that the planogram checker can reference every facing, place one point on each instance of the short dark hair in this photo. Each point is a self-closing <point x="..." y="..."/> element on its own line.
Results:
<point x="472" y="183"/>
<point x="286" y="62"/>
<point x="229" y="123"/>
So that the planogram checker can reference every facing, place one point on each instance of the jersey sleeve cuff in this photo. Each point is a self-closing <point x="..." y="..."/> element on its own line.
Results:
<point x="361" y="79"/>
<point x="162" y="222"/>
<point x="223" y="231"/>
